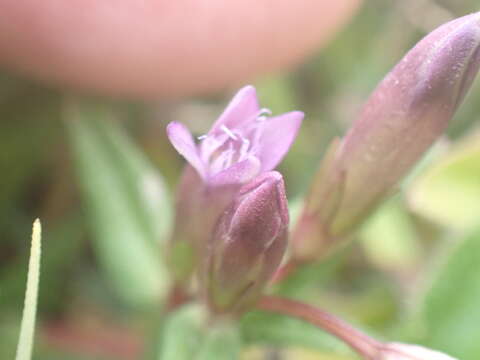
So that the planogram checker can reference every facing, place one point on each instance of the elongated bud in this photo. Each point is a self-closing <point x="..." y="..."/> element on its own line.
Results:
<point x="248" y="245"/>
<point x="398" y="351"/>
<point x="406" y="113"/>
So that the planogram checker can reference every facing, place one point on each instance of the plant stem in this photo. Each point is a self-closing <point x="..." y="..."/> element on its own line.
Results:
<point x="363" y="344"/>
<point x="176" y="298"/>
<point x="285" y="271"/>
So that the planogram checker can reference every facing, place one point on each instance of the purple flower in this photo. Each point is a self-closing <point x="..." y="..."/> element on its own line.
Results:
<point x="242" y="143"/>
<point x="247" y="246"/>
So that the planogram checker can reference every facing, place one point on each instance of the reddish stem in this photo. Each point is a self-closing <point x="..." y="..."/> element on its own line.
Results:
<point x="177" y="297"/>
<point x="285" y="271"/>
<point x="363" y="344"/>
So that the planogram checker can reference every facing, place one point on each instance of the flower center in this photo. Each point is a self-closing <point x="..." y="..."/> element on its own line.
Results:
<point x="228" y="146"/>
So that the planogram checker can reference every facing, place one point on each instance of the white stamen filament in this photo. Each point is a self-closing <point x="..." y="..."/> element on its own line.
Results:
<point x="264" y="111"/>
<point x="228" y="132"/>
<point x="209" y="146"/>
<point x="223" y="149"/>
<point x="244" y="148"/>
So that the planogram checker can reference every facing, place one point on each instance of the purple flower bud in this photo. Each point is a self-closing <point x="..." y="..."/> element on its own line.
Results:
<point x="406" y="113"/>
<point x="248" y="245"/>
<point x="397" y="351"/>
<point x="243" y="143"/>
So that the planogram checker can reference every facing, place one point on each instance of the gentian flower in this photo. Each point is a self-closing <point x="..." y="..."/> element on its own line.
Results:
<point x="247" y="246"/>
<point x="243" y="143"/>
<point x="406" y="113"/>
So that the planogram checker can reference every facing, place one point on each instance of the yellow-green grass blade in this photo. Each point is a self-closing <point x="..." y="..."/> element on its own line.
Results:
<point x="27" y="330"/>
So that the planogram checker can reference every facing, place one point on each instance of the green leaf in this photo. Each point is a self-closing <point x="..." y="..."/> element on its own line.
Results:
<point x="222" y="342"/>
<point x="280" y="330"/>
<point x="126" y="202"/>
<point x="451" y="308"/>
<point x="187" y="334"/>
<point x="182" y="334"/>
<point x="27" y="330"/>
<point x="389" y="237"/>
<point x="449" y="191"/>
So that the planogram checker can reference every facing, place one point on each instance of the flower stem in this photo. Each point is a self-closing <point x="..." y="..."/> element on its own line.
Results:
<point x="363" y="344"/>
<point x="176" y="298"/>
<point x="285" y="271"/>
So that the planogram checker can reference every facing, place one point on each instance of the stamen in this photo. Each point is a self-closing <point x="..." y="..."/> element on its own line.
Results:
<point x="202" y="137"/>
<point x="244" y="148"/>
<point x="222" y="161"/>
<point x="264" y="112"/>
<point x="228" y="132"/>
<point x="209" y="146"/>
<point x="245" y="140"/>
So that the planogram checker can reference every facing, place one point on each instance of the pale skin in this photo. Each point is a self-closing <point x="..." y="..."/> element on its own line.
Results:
<point x="166" y="48"/>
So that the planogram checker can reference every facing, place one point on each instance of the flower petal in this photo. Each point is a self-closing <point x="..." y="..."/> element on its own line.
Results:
<point x="243" y="107"/>
<point x="183" y="142"/>
<point x="237" y="174"/>
<point x="277" y="137"/>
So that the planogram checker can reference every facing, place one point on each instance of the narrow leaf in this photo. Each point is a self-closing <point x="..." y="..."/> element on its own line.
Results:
<point x="222" y="342"/>
<point x="126" y="203"/>
<point x="27" y="330"/>
<point x="188" y="335"/>
<point x="182" y="334"/>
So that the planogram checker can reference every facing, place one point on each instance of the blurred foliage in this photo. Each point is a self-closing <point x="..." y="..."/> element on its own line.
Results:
<point x="451" y="311"/>
<point x="185" y="336"/>
<point x="448" y="192"/>
<point x="101" y="186"/>
<point x="182" y="334"/>
<point x="125" y="199"/>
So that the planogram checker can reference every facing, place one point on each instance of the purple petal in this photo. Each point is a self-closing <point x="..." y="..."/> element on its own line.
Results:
<point x="237" y="174"/>
<point x="277" y="137"/>
<point x="222" y="187"/>
<point x="243" y="107"/>
<point x="182" y="141"/>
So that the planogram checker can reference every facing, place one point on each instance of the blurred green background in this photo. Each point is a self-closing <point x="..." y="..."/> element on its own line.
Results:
<point x="100" y="173"/>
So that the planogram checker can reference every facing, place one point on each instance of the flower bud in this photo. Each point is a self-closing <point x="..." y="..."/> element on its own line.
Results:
<point x="247" y="246"/>
<point x="397" y="351"/>
<point x="406" y="113"/>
